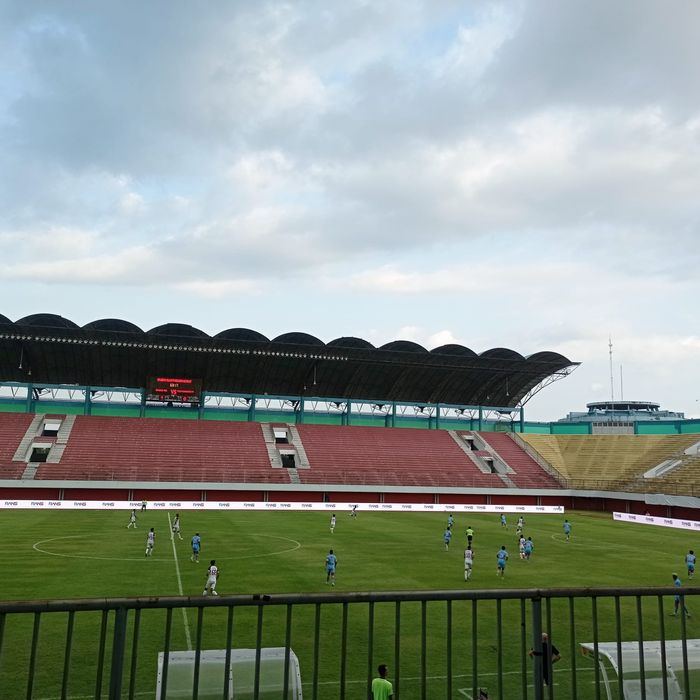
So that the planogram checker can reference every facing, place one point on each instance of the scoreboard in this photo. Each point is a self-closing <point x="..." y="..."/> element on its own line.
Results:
<point x="174" y="390"/>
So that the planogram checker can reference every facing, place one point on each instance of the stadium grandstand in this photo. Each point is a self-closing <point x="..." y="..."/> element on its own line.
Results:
<point x="238" y="415"/>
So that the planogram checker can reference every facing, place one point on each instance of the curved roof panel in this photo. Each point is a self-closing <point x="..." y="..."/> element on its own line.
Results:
<point x="244" y="334"/>
<point x="298" y="339"/>
<point x="4" y="320"/>
<point x="178" y="330"/>
<point x="113" y="352"/>
<point x="350" y="342"/>
<point x="403" y="346"/>
<point x="113" y="325"/>
<point x="46" y="321"/>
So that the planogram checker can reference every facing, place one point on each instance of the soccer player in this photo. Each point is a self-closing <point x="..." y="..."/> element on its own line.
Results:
<point x="447" y="536"/>
<point x="503" y="520"/>
<point x="677" y="598"/>
<point x="381" y="687"/>
<point x="470" y="536"/>
<point x="468" y="563"/>
<point x="528" y="546"/>
<point x="150" y="542"/>
<point x="450" y="520"/>
<point x="212" y="578"/>
<point x="144" y="503"/>
<point x="521" y="522"/>
<point x="521" y="547"/>
<point x="176" y="526"/>
<point x="690" y="563"/>
<point x="353" y="513"/>
<point x="567" y="530"/>
<point x="331" y="563"/>
<point x="518" y="530"/>
<point x="196" y="544"/>
<point x="132" y="519"/>
<point x="332" y="523"/>
<point x="501" y="558"/>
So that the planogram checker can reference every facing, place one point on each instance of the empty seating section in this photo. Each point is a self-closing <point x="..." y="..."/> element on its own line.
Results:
<point x="683" y="480"/>
<point x="158" y="449"/>
<point x="602" y="458"/>
<point x="527" y="473"/>
<point x="13" y="427"/>
<point x="389" y="456"/>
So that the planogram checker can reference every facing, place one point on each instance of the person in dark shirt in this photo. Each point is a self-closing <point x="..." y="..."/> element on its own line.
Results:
<point x="550" y="655"/>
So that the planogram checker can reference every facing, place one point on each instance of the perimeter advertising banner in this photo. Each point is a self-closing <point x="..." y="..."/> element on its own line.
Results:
<point x="264" y="505"/>
<point x="661" y="522"/>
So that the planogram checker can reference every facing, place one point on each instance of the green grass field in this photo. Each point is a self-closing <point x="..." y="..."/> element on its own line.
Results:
<point x="85" y="554"/>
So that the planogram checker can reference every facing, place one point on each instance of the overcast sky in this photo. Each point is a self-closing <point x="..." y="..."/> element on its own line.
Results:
<point x="516" y="174"/>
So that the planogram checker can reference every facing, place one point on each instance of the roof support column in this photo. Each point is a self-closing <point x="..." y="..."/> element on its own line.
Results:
<point x="142" y="408"/>
<point x="300" y="410"/>
<point x="522" y="419"/>
<point x="437" y="416"/>
<point x="393" y="414"/>
<point x="30" y="398"/>
<point x="481" y="417"/>
<point x="251" y="408"/>
<point x="348" y="413"/>
<point x="87" y="406"/>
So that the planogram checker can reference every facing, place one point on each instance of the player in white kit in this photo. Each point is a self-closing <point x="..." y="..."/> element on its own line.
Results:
<point x="468" y="563"/>
<point x="332" y="523"/>
<point x="176" y="526"/>
<point x="150" y="542"/>
<point x="212" y="577"/>
<point x="132" y="520"/>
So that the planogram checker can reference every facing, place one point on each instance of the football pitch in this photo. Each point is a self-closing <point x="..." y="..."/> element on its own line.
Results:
<point x="92" y="554"/>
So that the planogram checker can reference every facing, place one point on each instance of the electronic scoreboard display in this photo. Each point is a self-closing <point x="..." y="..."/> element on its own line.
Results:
<point x="173" y="390"/>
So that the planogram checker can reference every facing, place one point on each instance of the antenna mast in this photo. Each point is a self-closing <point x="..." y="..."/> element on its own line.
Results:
<point x="612" y="381"/>
<point x="622" y="388"/>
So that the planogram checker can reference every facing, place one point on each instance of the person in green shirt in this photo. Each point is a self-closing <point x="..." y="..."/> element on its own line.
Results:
<point x="381" y="687"/>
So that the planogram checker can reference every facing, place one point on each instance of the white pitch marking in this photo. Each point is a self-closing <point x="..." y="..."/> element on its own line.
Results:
<point x="179" y="585"/>
<point x="80" y="556"/>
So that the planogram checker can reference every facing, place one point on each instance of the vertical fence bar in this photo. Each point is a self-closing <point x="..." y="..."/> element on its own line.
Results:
<point x="258" y="652"/>
<point x="475" y="653"/>
<point x="596" y="661"/>
<point x="662" y="636"/>
<point x="449" y="650"/>
<point x="227" y="659"/>
<point x="572" y="648"/>
<point x="370" y="644"/>
<point x="317" y="637"/>
<point x="287" y="650"/>
<point x="548" y="659"/>
<point x="684" y="644"/>
<point x="197" y="653"/>
<point x="134" y="653"/>
<point x="66" y="658"/>
<point x="423" y="651"/>
<point x="640" y="637"/>
<point x="32" y="655"/>
<point x="537" y="647"/>
<point x="101" y="655"/>
<point x="523" y="647"/>
<point x="118" y="649"/>
<point x="618" y="631"/>
<point x="166" y="654"/>
<point x="397" y="649"/>
<point x="2" y="631"/>
<point x="499" y="647"/>
<point x="343" y="649"/>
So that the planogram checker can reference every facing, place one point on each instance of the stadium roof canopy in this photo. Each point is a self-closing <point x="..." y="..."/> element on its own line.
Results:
<point x="50" y="349"/>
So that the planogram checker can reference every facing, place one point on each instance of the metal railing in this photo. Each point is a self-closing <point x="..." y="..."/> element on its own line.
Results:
<point x="438" y="644"/>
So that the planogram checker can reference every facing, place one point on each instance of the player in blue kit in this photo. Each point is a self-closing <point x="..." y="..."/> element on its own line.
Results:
<point x="447" y="536"/>
<point x="567" y="529"/>
<point x="528" y="547"/>
<point x="501" y="558"/>
<point x="331" y="563"/>
<point x="690" y="563"/>
<point x="196" y="544"/>
<point x="503" y="520"/>
<point x="677" y="597"/>
<point x="450" y="520"/>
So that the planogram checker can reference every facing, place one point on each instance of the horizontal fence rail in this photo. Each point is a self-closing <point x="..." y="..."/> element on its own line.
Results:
<point x="612" y="643"/>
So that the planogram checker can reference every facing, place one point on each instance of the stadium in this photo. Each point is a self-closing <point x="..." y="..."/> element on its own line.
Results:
<point x="255" y="444"/>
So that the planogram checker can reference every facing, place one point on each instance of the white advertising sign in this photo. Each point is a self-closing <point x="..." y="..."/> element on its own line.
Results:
<point x="679" y="523"/>
<point x="264" y="505"/>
